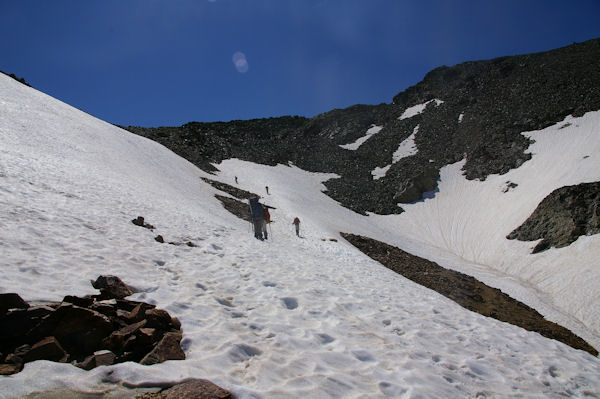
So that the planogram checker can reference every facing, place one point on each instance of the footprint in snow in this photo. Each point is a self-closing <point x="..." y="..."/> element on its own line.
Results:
<point x="201" y="286"/>
<point x="225" y="302"/>
<point x="243" y="352"/>
<point x="325" y="338"/>
<point x="363" y="356"/>
<point x="290" y="303"/>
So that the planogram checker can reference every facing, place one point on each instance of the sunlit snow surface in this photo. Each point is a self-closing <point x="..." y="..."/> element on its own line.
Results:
<point x="307" y="318"/>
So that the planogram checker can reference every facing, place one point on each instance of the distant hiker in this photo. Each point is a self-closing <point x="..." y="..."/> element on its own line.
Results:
<point x="296" y="223"/>
<point x="267" y="188"/>
<point x="236" y="180"/>
<point x="259" y="218"/>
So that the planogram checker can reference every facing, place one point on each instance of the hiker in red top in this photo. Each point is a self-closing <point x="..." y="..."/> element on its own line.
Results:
<point x="296" y="222"/>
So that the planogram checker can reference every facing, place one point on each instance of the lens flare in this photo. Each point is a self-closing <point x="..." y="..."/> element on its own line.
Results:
<point x="240" y="62"/>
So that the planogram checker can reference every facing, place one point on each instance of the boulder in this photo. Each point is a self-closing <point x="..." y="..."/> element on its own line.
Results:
<point x="197" y="389"/>
<point x="139" y="221"/>
<point x="138" y="313"/>
<point x="87" y="364"/>
<point x="112" y="287"/>
<point x="11" y="301"/>
<point x="104" y="358"/>
<point x="80" y="330"/>
<point x="82" y="302"/>
<point x="159" y="319"/>
<point x="46" y="349"/>
<point x="8" y="369"/>
<point x="167" y="349"/>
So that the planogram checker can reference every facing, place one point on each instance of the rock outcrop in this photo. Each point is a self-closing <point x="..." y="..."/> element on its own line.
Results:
<point x="562" y="217"/>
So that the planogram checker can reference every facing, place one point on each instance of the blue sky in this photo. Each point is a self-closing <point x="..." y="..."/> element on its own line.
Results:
<point x="168" y="62"/>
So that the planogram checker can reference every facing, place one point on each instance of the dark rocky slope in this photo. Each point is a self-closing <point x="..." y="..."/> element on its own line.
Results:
<point x="466" y="291"/>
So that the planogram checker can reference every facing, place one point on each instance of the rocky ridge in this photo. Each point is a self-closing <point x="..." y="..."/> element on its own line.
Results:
<point x="483" y="108"/>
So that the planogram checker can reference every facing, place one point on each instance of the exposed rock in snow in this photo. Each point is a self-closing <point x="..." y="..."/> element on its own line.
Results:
<point x="562" y="217"/>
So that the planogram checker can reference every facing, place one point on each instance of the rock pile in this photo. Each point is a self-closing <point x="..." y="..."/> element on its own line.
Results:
<point x="88" y="331"/>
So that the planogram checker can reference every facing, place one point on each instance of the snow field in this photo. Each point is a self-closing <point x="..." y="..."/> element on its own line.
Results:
<point x="289" y="317"/>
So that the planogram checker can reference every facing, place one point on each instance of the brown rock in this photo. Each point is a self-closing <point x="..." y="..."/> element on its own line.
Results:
<point x="158" y="318"/>
<point x="84" y="302"/>
<point x="117" y="339"/>
<point x="130" y="329"/>
<point x="46" y="349"/>
<point x="104" y="358"/>
<point x="19" y="323"/>
<point x="88" y="363"/>
<point x="139" y="221"/>
<point x="197" y="389"/>
<point x="8" y="369"/>
<point x="37" y="312"/>
<point x="147" y="335"/>
<point x="112" y="287"/>
<point x="138" y="313"/>
<point x="11" y="301"/>
<point x="79" y="330"/>
<point x="105" y="307"/>
<point x="167" y="349"/>
<point x="129" y="305"/>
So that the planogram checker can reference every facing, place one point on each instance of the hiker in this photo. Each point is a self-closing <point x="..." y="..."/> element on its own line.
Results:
<point x="267" y="188"/>
<point x="259" y="218"/>
<point x="236" y="180"/>
<point x="296" y="223"/>
<point x="266" y="219"/>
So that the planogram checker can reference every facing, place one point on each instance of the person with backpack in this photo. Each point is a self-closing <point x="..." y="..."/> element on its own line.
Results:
<point x="296" y="223"/>
<point x="259" y="218"/>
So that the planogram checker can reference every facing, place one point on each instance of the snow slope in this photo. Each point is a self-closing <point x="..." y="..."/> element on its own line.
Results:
<point x="285" y="318"/>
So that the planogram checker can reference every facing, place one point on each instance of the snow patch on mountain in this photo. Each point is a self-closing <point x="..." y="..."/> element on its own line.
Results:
<point x="419" y="108"/>
<point x="378" y="172"/>
<point x="406" y="148"/>
<point x="370" y="132"/>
